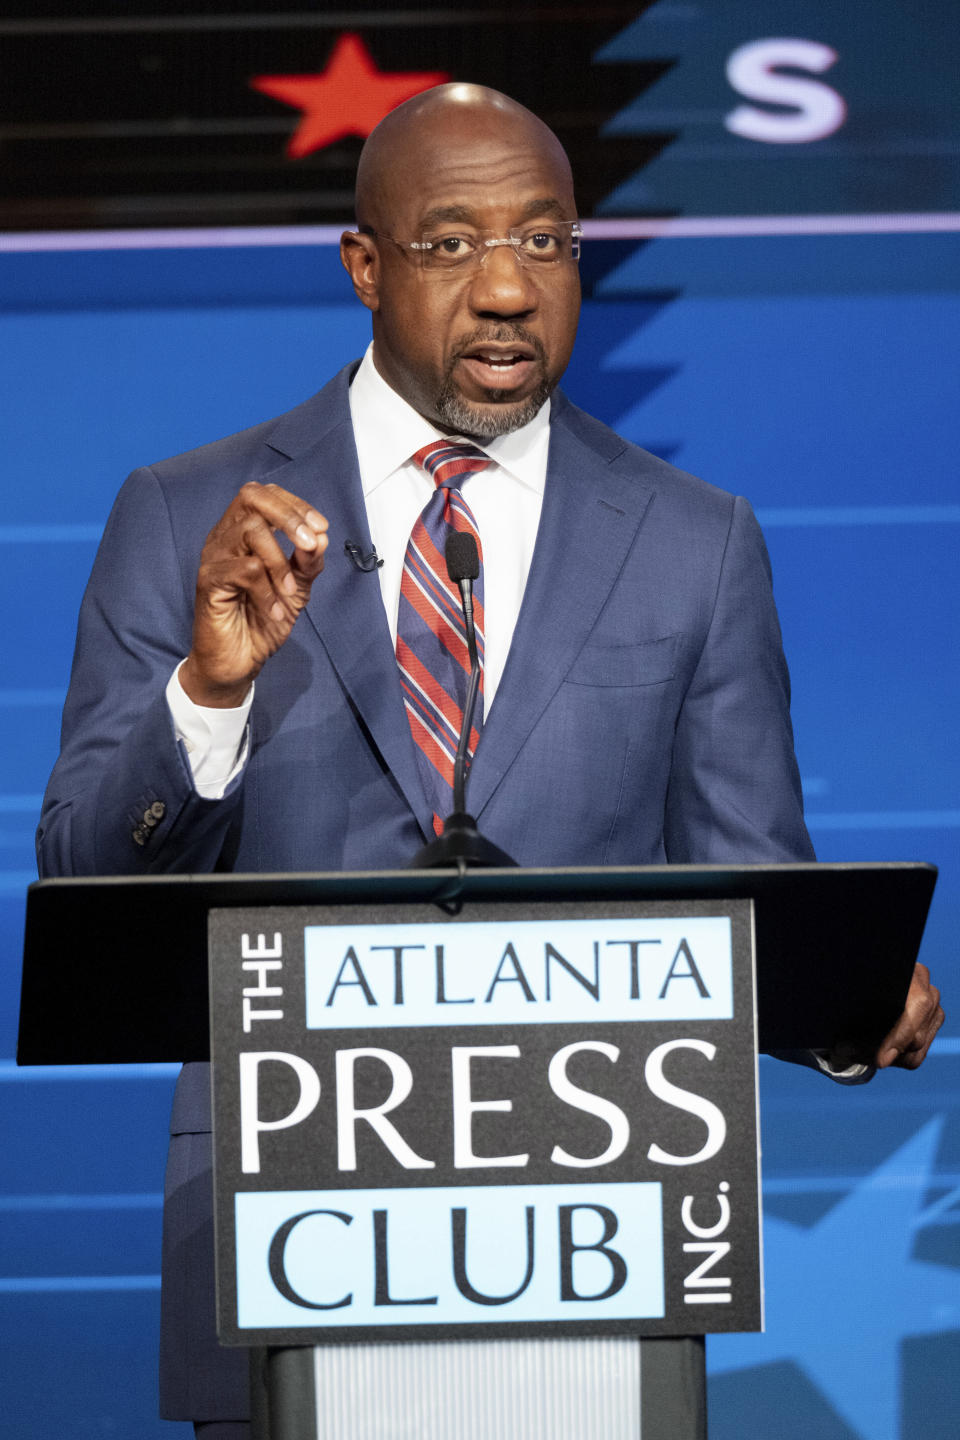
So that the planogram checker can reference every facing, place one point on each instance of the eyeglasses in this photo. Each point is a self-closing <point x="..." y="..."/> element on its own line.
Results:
<point x="454" y="252"/>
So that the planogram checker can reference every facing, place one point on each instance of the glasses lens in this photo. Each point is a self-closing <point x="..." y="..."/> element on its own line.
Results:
<point x="453" y="251"/>
<point x="448" y="250"/>
<point x="548" y="244"/>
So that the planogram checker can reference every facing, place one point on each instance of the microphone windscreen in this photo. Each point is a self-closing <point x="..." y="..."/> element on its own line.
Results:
<point x="462" y="556"/>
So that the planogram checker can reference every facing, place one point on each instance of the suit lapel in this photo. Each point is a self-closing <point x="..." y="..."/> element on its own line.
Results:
<point x="345" y="607"/>
<point x="590" y="518"/>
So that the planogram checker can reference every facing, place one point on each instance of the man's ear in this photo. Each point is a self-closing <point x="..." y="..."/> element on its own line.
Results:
<point x="358" y="253"/>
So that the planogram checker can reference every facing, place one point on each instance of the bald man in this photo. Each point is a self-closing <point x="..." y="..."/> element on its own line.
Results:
<point x="635" y="694"/>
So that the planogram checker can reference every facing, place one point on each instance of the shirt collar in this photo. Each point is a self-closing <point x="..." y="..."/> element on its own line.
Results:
<point x="388" y="431"/>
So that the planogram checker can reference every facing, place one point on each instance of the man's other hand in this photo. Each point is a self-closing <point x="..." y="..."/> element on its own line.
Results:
<point x="910" y="1039"/>
<point x="248" y="593"/>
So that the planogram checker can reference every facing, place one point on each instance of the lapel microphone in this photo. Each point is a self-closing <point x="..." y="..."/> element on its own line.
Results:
<point x="366" y="563"/>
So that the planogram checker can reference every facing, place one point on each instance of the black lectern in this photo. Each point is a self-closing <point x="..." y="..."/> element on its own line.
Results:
<point x="477" y="1132"/>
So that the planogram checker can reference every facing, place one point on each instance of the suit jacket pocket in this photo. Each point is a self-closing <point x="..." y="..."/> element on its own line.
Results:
<point x="649" y="663"/>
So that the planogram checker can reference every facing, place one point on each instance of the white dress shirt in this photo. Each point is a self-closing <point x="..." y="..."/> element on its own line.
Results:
<point x="506" y="500"/>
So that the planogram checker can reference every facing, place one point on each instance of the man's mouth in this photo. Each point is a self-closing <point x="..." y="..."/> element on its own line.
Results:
<point x="499" y="359"/>
<point x="496" y="381"/>
<point x="499" y="366"/>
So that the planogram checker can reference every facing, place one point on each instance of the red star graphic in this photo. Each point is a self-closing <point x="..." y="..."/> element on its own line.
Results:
<point x="350" y="97"/>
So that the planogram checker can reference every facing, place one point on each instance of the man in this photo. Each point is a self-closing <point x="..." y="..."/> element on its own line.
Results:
<point x="636" y="703"/>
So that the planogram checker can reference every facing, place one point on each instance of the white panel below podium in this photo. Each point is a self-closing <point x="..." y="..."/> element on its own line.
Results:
<point x="519" y="1389"/>
<point x="538" y="1389"/>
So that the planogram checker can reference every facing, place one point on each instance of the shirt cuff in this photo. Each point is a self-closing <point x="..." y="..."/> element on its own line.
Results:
<point x="216" y="741"/>
<point x="849" y="1075"/>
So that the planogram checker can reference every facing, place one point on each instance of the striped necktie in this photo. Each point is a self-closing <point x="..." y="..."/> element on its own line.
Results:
<point x="431" y="635"/>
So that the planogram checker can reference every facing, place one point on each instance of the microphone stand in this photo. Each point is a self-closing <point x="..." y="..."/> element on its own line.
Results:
<point x="461" y="843"/>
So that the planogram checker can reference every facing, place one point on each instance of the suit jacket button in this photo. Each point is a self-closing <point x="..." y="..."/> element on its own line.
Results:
<point x="149" y="819"/>
<point x="157" y="810"/>
<point x="140" y="836"/>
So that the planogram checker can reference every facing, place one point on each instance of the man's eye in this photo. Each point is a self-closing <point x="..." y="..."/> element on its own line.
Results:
<point x="544" y="244"/>
<point x="452" y="247"/>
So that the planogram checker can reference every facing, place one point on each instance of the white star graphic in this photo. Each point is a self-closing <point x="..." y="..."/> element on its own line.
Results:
<point x="841" y="1295"/>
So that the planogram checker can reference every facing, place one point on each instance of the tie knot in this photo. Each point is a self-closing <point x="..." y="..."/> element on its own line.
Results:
<point x="449" y="462"/>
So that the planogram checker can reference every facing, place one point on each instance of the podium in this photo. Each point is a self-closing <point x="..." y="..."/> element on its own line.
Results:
<point x="519" y="1072"/>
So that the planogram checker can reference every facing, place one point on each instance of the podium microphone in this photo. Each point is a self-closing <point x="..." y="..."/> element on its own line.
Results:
<point x="463" y="567"/>
<point x="461" y="843"/>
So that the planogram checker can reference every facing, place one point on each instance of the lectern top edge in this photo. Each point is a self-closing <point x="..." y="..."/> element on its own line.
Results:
<point x="226" y="882"/>
<point x="836" y="943"/>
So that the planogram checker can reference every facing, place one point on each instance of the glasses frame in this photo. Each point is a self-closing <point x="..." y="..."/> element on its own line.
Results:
<point x="419" y="249"/>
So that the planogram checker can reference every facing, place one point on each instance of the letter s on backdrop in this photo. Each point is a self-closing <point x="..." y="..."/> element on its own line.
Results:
<point x="817" y="109"/>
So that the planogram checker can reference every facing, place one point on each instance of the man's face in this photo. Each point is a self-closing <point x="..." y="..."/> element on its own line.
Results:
<point x="476" y="351"/>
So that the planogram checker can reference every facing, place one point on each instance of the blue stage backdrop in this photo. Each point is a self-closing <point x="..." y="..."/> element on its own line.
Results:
<point x="794" y="336"/>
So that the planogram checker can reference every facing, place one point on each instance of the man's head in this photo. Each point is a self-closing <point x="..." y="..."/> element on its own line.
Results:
<point x="475" y="346"/>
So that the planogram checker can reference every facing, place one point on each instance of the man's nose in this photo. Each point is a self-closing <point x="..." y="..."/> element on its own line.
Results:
<point x="502" y="284"/>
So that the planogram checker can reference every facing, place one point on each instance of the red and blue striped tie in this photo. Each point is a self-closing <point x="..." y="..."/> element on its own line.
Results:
<point x="431" y="635"/>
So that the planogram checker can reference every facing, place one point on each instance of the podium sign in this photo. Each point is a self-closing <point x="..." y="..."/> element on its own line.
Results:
<point x="529" y="1118"/>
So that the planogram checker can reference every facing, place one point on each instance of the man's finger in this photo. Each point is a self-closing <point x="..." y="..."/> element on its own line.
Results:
<point x="910" y="1033"/>
<point x="281" y="572"/>
<point x="307" y="564"/>
<point x="283" y="511"/>
<point x="915" y="1054"/>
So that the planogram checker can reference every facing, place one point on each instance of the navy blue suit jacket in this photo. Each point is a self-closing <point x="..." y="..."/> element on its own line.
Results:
<point x="643" y="715"/>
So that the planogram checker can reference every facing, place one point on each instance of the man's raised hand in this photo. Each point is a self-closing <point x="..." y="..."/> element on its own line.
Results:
<point x="248" y="593"/>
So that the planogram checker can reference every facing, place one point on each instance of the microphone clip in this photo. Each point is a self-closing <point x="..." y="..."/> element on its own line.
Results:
<point x="366" y="563"/>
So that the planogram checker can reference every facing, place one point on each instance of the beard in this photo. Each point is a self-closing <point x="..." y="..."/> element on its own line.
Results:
<point x="486" y="422"/>
<point x="499" y="415"/>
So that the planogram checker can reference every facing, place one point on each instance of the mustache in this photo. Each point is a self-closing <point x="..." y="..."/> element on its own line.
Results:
<point x="500" y="334"/>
